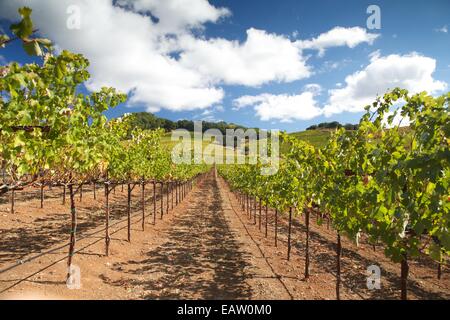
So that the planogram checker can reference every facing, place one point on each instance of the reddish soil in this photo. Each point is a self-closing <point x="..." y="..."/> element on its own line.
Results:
<point x="205" y="248"/>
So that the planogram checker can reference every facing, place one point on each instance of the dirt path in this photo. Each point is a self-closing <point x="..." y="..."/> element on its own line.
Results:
<point x="204" y="255"/>
<point x="198" y="251"/>
<point x="208" y="248"/>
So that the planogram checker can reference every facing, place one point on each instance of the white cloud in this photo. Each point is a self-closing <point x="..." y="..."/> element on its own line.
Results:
<point x="262" y="58"/>
<point x="444" y="29"/>
<point x="149" y="49"/>
<point x="128" y="50"/>
<point x="283" y="107"/>
<point x="339" y="36"/>
<point x="413" y="72"/>
<point x="2" y="60"/>
<point x="175" y="16"/>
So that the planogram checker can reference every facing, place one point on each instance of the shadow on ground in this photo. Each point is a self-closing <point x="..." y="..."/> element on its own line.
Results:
<point x="200" y="260"/>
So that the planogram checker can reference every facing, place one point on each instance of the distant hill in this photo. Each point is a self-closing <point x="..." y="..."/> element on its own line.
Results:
<point x="149" y="121"/>
<point x="317" y="135"/>
<point x="332" y="125"/>
<point x="317" y="138"/>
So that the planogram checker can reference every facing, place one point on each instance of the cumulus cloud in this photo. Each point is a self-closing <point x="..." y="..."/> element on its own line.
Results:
<point x="126" y="49"/>
<point x="262" y="58"/>
<point x="175" y="16"/>
<point x="283" y="107"/>
<point x="413" y="72"/>
<point x="337" y="37"/>
<point x="155" y="51"/>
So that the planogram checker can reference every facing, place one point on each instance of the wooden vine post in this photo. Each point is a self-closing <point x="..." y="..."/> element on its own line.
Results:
<point x="129" y="212"/>
<point x="254" y="208"/>
<point x="13" y="195"/>
<point x="267" y="216"/>
<point x="171" y="191"/>
<point x="162" y="199"/>
<point x="307" y="244"/>
<point x="42" y="196"/>
<point x="167" y="197"/>
<point x="249" y="207"/>
<point x="64" y="195"/>
<point x="73" y="229"/>
<point x="95" y="193"/>
<point x="276" y="227"/>
<point x="154" y="202"/>
<point x="247" y="202"/>
<point x="260" y="213"/>
<point x="107" y="237"/>
<point x="289" y="234"/>
<point x="143" y="204"/>
<point x="404" y="277"/>
<point x="338" y="266"/>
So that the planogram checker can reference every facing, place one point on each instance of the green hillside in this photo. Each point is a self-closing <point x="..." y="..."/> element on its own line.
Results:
<point x="317" y="138"/>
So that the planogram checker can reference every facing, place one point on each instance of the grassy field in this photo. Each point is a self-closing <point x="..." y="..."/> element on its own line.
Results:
<point x="317" y="138"/>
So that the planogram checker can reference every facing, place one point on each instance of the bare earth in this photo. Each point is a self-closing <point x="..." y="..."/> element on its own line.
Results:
<point x="206" y="248"/>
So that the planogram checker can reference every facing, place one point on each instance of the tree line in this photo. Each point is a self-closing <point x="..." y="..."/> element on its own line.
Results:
<point x="333" y="125"/>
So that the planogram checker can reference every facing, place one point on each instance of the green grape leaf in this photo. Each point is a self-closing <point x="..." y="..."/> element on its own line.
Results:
<point x="24" y="28"/>
<point x="32" y="48"/>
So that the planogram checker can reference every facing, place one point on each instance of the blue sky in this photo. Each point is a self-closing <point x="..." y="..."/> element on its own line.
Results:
<point x="194" y="62"/>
